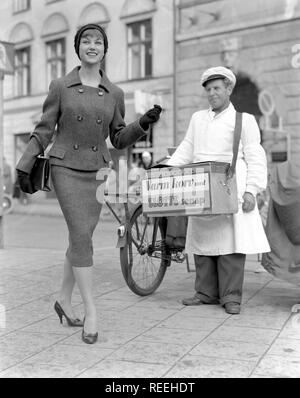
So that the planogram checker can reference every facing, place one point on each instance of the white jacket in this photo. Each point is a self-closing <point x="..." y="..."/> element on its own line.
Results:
<point x="210" y="138"/>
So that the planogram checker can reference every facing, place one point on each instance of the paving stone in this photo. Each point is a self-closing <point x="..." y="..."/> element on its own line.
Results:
<point x="244" y="334"/>
<point x="175" y="336"/>
<point x="17" y="346"/>
<point x="109" y="368"/>
<point x="105" y="304"/>
<point x="27" y="343"/>
<point x="107" y="338"/>
<point x="157" y="303"/>
<point x="155" y="314"/>
<point x="259" y="321"/>
<point x="10" y="359"/>
<point x="286" y="347"/>
<point x="210" y="311"/>
<point x="256" y="376"/>
<point x="30" y="370"/>
<point x="125" y="295"/>
<point x="71" y="357"/>
<point x="239" y="350"/>
<point x="207" y="367"/>
<point x="191" y="323"/>
<point x="291" y="329"/>
<point x="50" y="325"/>
<point x="278" y="366"/>
<point x="148" y="352"/>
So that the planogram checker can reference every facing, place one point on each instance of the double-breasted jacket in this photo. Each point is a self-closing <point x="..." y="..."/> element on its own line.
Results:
<point x="83" y="117"/>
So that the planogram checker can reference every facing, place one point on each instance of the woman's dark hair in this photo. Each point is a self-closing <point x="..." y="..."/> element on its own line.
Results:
<point x="83" y="28"/>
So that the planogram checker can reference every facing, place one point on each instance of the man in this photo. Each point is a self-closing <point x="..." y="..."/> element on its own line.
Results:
<point x="220" y="243"/>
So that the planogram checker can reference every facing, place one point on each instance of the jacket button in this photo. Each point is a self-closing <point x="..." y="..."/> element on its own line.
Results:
<point x="100" y="93"/>
<point x="80" y="90"/>
<point x="79" y="118"/>
<point x="76" y="147"/>
<point x="99" y="121"/>
<point x="95" y="148"/>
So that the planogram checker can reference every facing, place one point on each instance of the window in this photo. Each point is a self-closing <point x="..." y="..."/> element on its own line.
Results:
<point x="51" y="1"/>
<point x="21" y="5"/>
<point x="22" y="72"/>
<point x="139" y="49"/>
<point x="56" y="59"/>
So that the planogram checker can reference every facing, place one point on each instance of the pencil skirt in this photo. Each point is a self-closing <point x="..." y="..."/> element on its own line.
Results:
<point x="76" y="194"/>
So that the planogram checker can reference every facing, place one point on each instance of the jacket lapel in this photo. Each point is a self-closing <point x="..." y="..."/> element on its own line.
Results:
<point x="73" y="79"/>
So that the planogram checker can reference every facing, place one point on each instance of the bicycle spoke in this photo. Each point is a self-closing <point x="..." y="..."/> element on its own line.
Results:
<point x="144" y="260"/>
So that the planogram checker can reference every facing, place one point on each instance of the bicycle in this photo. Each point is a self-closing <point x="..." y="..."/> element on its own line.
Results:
<point x="144" y="254"/>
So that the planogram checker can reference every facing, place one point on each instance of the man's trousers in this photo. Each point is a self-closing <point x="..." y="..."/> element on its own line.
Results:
<point x="220" y="278"/>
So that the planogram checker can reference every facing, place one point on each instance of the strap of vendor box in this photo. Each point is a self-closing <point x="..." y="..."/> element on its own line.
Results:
<point x="236" y="142"/>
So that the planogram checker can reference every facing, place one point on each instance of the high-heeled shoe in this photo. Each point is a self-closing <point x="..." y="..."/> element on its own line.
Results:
<point x="71" y="322"/>
<point x="88" y="338"/>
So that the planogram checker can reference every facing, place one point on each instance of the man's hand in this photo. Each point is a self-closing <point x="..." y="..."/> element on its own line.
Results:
<point x="150" y="117"/>
<point x="249" y="202"/>
<point x="24" y="182"/>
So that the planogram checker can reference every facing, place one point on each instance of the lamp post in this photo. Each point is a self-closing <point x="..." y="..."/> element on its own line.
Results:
<point x="6" y="67"/>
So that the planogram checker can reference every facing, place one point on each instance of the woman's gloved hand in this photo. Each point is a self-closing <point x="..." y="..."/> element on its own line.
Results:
<point x="24" y="182"/>
<point x="150" y="117"/>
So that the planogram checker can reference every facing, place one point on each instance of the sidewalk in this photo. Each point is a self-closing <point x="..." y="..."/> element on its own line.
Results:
<point x="153" y="336"/>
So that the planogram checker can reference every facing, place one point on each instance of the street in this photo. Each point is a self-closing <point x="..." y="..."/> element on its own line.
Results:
<point x="23" y="230"/>
<point x="153" y="336"/>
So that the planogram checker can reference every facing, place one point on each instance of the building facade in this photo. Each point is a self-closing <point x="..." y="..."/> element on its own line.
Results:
<point x="139" y="60"/>
<point x="260" y="42"/>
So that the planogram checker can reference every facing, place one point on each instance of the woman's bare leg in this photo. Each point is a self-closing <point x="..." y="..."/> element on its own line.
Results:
<point x="65" y="294"/>
<point x="84" y="280"/>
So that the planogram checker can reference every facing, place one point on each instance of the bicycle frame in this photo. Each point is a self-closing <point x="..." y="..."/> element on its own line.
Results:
<point x="124" y="235"/>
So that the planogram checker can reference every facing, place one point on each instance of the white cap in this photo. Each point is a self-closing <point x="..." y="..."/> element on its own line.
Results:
<point x="218" y="72"/>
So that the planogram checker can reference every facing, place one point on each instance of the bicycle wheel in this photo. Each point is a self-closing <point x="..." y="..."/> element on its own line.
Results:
<point x="144" y="266"/>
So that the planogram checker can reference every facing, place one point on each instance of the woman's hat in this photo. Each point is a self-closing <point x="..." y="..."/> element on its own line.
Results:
<point x="83" y="29"/>
<point x="218" y="72"/>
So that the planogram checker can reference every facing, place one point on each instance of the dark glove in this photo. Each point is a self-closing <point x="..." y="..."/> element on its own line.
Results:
<point x="249" y="202"/>
<point x="150" y="117"/>
<point x="24" y="182"/>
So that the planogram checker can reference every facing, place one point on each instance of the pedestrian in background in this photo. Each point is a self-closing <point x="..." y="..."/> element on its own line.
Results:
<point x="7" y="177"/>
<point x="146" y="161"/>
<point x="86" y="107"/>
<point x="220" y="242"/>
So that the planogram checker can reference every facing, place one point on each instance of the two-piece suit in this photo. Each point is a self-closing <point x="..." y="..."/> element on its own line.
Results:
<point x="84" y="117"/>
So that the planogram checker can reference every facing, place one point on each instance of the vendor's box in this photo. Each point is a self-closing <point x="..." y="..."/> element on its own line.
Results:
<point x="195" y="189"/>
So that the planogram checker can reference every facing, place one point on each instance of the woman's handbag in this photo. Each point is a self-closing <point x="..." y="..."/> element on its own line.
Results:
<point x="40" y="174"/>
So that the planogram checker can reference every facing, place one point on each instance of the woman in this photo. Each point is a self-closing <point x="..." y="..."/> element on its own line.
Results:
<point x="86" y="107"/>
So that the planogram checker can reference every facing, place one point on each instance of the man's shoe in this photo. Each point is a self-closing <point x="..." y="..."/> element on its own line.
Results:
<point x="232" y="308"/>
<point x="196" y="300"/>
